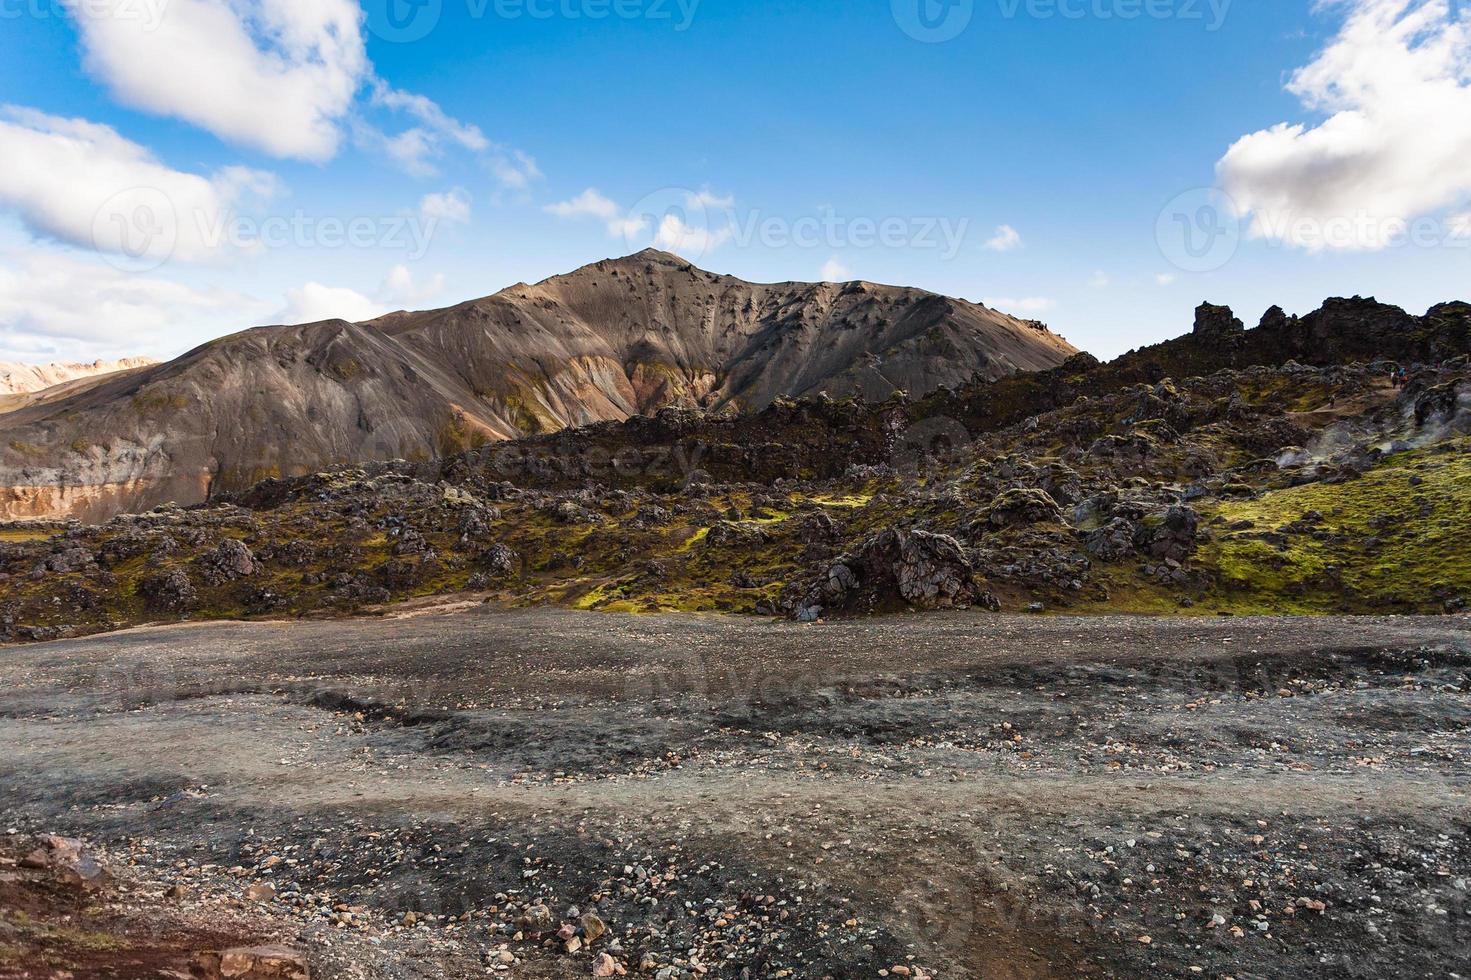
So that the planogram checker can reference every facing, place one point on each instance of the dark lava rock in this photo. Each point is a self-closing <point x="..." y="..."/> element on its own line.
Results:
<point x="172" y="592"/>
<point x="1022" y="506"/>
<point x="230" y="561"/>
<point x="892" y="569"/>
<point x="1172" y="537"/>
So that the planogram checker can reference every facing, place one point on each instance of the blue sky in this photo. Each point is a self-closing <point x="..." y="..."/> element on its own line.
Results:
<point x="179" y="169"/>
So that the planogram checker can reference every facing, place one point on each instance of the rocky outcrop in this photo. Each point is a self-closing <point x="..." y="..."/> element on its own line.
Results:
<point x="1023" y="505"/>
<point x="1170" y="536"/>
<point x="171" y="592"/>
<point x="1214" y="324"/>
<point x="68" y="862"/>
<point x="254" y="963"/>
<point x="230" y="561"/>
<point x="894" y="569"/>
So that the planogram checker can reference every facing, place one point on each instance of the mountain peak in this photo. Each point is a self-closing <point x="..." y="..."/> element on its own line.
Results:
<point x="618" y="338"/>
<point x="654" y="255"/>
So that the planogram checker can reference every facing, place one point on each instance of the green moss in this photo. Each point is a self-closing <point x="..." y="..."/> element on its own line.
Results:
<point x="28" y="449"/>
<point x="1384" y="541"/>
<point x="525" y="410"/>
<point x="458" y="435"/>
<point x="17" y="534"/>
<point x="154" y="402"/>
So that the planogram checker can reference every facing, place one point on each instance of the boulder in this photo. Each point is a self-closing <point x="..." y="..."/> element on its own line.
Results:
<point x="254" y="963"/>
<point x="500" y="561"/>
<point x="1171" y="536"/>
<point x="1023" y="506"/>
<point x="69" y="862"/>
<point x="171" y="592"/>
<point x="230" y="561"/>
<point x="1216" y="322"/>
<point x="892" y="569"/>
<point x="731" y="534"/>
<point x="1113" y="541"/>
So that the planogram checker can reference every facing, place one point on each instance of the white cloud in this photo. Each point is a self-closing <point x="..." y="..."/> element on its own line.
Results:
<point x="631" y="228"/>
<point x="1164" y="279"/>
<point x="278" y="75"/>
<point x="590" y="203"/>
<point x="835" y="271"/>
<point x="315" y="302"/>
<point x="1100" y="280"/>
<point x="410" y="151"/>
<point x="1028" y="304"/>
<point x="82" y="183"/>
<point x="1006" y="239"/>
<point x="415" y="150"/>
<point x="675" y="235"/>
<point x="60" y="307"/>
<point x="428" y="112"/>
<point x="400" y="289"/>
<point x="514" y="169"/>
<point x="671" y="231"/>
<point x="708" y="199"/>
<point x="1396" y="85"/>
<point x="453" y="206"/>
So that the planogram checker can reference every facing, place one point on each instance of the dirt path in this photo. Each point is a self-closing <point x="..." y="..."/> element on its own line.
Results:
<point x="958" y="796"/>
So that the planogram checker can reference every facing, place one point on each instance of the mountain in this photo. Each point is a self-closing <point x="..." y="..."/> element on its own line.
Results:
<point x="18" y="379"/>
<point x="1313" y="464"/>
<point x="609" y="341"/>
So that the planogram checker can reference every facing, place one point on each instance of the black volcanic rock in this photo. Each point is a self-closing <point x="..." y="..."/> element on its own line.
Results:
<point x="1216" y="322"/>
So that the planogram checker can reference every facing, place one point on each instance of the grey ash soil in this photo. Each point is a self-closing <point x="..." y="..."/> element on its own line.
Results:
<point x="963" y="795"/>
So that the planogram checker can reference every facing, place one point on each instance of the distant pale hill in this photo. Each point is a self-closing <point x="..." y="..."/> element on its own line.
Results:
<point x="20" y="379"/>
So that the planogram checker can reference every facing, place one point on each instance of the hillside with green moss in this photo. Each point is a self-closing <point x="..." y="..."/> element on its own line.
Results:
<point x="1264" y="488"/>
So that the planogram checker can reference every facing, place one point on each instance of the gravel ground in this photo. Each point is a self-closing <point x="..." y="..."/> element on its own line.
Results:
<point x="953" y="796"/>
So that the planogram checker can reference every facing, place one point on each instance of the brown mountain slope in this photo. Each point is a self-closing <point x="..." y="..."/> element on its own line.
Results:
<point x="609" y="341"/>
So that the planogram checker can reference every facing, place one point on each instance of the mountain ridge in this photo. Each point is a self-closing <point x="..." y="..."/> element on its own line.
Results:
<point x="606" y="342"/>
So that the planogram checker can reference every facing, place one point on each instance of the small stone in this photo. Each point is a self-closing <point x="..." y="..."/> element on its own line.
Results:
<point x="261" y="892"/>
<point x="606" y="966"/>
<point x="593" y="927"/>
<point x="256" y="963"/>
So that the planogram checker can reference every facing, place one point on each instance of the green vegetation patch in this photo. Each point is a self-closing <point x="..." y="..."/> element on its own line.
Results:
<point x="1398" y="538"/>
